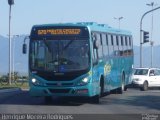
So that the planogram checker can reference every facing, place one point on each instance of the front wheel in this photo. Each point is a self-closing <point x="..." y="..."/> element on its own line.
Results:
<point x="48" y="99"/>
<point x="95" y="99"/>
<point x="125" y="88"/>
<point x="145" y="86"/>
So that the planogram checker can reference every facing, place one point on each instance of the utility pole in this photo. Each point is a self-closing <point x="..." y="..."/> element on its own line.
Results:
<point x="151" y="4"/>
<point x="119" y="20"/>
<point x="13" y="53"/>
<point x="151" y="43"/>
<point x="141" y="42"/>
<point x="151" y="40"/>
<point x="10" y="2"/>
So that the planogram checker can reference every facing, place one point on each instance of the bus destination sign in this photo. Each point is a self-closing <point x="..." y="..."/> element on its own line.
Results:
<point x="64" y="31"/>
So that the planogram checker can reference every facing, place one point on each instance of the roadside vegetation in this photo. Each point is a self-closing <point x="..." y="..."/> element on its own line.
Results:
<point x="17" y="81"/>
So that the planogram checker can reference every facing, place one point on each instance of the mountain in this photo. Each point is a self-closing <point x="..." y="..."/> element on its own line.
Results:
<point x="146" y="56"/>
<point x="21" y="60"/>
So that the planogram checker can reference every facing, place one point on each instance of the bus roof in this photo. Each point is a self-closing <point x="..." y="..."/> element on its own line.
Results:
<point x="93" y="26"/>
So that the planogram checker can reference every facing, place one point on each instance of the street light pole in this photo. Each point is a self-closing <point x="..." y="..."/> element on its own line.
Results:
<point x="152" y="43"/>
<point x="141" y="41"/>
<point x="10" y="2"/>
<point x="151" y="40"/>
<point x="119" y="19"/>
<point x="152" y="4"/>
<point x="13" y="51"/>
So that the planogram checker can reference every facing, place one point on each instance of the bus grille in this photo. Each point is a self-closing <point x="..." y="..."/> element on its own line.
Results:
<point x="59" y="90"/>
<point x="51" y="77"/>
<point x="56" y="84"/>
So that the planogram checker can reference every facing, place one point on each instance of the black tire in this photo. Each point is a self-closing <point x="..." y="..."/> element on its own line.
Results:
<point x="48" y="99"/>
<point x="145" y="86"/>
<point x="119" y="91"/>
<point x="102" y="88"/>
<point x="122" y="88"/>
<point x="95" y="99"/>
<point x="125" y="88"/>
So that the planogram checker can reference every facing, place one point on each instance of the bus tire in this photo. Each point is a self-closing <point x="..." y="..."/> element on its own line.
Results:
<point x="102" y="87"/>
<point x="122" y="88"/>
<point x="125" y="88"/>
<point x="95" y="99"/>
<point x="48" y="99"/>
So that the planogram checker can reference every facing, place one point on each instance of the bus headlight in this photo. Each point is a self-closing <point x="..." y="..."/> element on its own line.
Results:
<point x="83" y="81"/>
<point x="34" y="81"/>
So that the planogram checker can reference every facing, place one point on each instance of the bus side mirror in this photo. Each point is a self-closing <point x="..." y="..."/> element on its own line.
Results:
<point x="24" y="49"/>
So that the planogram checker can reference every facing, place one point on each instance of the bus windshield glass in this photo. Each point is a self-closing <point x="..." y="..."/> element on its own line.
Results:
<point x="59" y="55"/>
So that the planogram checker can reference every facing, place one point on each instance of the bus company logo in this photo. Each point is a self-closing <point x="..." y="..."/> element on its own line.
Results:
<point x="107" y="69"/>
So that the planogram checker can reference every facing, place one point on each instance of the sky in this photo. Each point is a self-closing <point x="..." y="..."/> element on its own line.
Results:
<point x="26" y="13"/>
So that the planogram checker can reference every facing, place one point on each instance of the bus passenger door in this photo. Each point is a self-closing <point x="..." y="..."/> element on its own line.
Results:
<point x="95" y="75"/>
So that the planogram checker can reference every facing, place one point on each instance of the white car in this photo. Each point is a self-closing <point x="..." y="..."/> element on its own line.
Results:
<point x="146" y="77"/>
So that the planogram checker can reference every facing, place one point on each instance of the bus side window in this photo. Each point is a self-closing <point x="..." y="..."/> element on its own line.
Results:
<point x="125" y="53"/>
<point x="105" y="43"/>
<point x="130" y="42"/>
<point x="121" y="46"/>
<point x="110" y="44"/>
<point x="95" y="57"/>
<point x="130" y="47"/>
<point x="95" y="49"/>
<point x="100" y="50"/>
<point x="116" y="45"/>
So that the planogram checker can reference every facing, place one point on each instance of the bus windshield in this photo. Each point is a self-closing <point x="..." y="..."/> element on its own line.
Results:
<point x="59" y="55"/>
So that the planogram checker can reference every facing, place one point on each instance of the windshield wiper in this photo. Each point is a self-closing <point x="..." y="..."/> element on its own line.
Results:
<point x="70" y="42"/>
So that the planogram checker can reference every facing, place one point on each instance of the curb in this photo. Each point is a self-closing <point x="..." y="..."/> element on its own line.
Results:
<point x="10" y="90"/>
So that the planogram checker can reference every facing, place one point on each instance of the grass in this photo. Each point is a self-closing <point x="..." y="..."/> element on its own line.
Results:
<point x="13" y="85"/>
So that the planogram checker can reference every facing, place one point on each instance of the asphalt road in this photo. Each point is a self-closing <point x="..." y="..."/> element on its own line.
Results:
<point x="133" y="101"/>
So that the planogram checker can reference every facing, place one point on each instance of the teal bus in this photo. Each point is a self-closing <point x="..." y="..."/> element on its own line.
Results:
<point x="84" y="59"/>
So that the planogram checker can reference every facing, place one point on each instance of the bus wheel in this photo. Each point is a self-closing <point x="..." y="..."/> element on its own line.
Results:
<point x="95" y="99"/>
<point x="102" y="87"/>
<point x="122" y="88"/>
<point x="125" y="88"/>
<point x="48" y="99"/>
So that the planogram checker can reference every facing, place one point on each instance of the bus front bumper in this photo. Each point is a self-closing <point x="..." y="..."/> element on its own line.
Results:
<point x="65" y="91"/>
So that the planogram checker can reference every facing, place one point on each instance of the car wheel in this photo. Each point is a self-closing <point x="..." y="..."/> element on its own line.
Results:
<point x="145" y="86"/>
